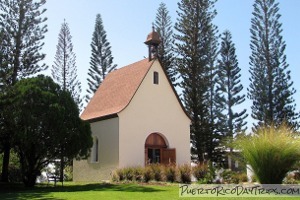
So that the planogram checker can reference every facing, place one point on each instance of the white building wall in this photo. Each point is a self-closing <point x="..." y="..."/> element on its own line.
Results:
<point x="154" y="108"/>
<point x="107" y="132"/>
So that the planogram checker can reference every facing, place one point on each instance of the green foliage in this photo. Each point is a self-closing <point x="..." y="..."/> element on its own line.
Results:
<point x="200" y="171"/>
<point x="101" y="58"/>
<point x="228" y="90"/>
<point x="163" y="25"/>
<point x="23" y="23"/>
<point x="14" y="168"/>
<point x="46" y="126"/>
<point x="270" y="86"/>
<point x="22" y="30"/>
<point x="195" y="46"/>
<point x="270" y="146"/>
<point x="204" y="173"/>
<point x="64" y="70"/>
<point x="233" y="177"/>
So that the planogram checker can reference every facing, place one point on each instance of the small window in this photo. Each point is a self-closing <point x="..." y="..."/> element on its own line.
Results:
<point x="155" y="78"/>
<point x="95" y="151"/>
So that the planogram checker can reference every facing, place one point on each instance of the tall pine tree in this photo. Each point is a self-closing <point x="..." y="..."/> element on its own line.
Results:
<point x="193" y="43"/>
<point x="101" y="59"/>
<point x="23" y="24"/>
<point x="229" y="90"/>
<point x="64" y="70"/>
<point x="270" y="88"/>
<point x="163" y="26"/>
<point x="213" y="109"/>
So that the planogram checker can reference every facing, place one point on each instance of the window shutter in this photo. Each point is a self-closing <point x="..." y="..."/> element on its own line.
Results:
<point x="168" y="156"/>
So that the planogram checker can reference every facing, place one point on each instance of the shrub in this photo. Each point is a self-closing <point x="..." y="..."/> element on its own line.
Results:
<point x="120" y="174"/>
<point x="200" y="171"/>
<point x="185" y="173"/>
<point x="234" y="177"/>
<point x="114" y="177"/>
<point x="147" y="174"/>
<point x="68" y="173"/>
<point x="157" y="171"/>
<point x="271" y="152"/>
<point x="170" y="172"/>
<point x="138" y="173"/>
<point x="289" y="179"/>
<point x="128" y="173"/>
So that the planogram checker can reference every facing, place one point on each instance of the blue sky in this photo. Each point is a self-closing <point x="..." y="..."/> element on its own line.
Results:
<point x="127" y="24"/>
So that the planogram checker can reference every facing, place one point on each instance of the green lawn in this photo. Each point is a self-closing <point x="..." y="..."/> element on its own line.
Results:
<point x="97" y="191"/>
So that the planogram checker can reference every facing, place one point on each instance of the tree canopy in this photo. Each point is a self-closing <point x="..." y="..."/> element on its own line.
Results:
<point x="101" y="58"/>
<point x="46" y="125"/>
<point x="164" y="27"/>
<point x="22" y="30"/>
<point x="270" y="86"/>
<point x="194" y="39"/>
<point x="64" y="70"/>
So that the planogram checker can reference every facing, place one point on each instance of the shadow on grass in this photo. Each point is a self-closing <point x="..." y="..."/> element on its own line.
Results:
<point x="19" y="192"/>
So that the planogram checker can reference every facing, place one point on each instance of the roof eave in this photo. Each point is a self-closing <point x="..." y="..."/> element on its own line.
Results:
<point x="97" y="119"/>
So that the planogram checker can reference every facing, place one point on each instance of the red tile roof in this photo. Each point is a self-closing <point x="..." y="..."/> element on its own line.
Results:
<point x="116" y="91"/>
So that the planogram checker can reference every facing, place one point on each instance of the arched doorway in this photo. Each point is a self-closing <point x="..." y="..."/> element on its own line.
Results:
<point x="157" y="151"/>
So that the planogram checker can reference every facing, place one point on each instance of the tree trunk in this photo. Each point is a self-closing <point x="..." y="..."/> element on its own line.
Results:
<point x="5" y="164"/>
<point x="61" y="173"/>
<point x="30" y="179"/>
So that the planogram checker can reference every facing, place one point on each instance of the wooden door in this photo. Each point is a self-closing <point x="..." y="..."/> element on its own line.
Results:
<point x="168" y="156"/>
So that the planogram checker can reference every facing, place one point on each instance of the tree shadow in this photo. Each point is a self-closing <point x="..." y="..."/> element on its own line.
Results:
<point x="17" y="191"/>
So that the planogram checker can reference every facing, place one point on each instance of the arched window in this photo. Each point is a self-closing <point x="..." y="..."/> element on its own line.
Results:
<point x="157" y="151"/>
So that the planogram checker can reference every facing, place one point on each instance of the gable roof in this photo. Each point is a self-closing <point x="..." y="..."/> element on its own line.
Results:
<point x="116" y="91"/>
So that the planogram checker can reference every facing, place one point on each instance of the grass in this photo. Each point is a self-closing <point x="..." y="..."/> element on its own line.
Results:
<point x="90" y="191"/>
<point x="271" y="152"/>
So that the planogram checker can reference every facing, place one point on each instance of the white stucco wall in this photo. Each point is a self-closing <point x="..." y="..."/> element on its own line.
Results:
<point x="107" y="132"/>
<point x="154" y="108"/>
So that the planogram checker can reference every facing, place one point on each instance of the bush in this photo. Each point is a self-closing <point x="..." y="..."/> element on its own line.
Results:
<point x="204" y="173"/>
<point x="68" y="173"/>
<point x="128" y="173"/>
<point x="200" y="171"/>
<point x="147" y="174"/>
<point x="290" y="179"/>
<point x="157" y="171"/>
<point x="115" y="177"/>
<point x="185" y="173"/>
<point x="120" y="174"/>
<point x="271" y="152"/>
<point x="234" y="177"/>
<point x="138" y="173"/>
<point x="170" y="172"/>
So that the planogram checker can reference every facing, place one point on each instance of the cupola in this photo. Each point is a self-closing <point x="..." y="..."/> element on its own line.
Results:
<point x="152" y="41"/>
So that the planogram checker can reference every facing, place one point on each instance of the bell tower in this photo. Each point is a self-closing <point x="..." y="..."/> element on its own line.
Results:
<point x="152" y="41"/>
